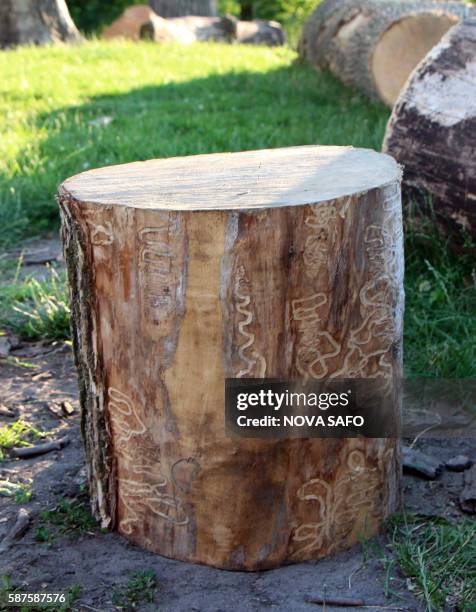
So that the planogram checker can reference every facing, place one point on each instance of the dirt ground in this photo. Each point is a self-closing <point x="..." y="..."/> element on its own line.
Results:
<point x="101" y="563"/>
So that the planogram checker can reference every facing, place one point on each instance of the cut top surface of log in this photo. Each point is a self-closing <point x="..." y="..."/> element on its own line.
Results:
<point x="247" y="180"/>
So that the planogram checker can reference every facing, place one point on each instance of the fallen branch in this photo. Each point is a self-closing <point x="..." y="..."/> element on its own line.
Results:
<point x="19" y="527"/>
<point x="39" y="449"/>
<point x="340" y="602"/>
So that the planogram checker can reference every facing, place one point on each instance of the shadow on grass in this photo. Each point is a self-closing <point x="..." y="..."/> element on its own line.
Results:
<point x="230" y="112"/>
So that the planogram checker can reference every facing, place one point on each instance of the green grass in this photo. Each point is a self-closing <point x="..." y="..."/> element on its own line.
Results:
<point x="36" y="308"/>
<point x="140" y="589"/>
<point x="439" y="558"/>
<point x="440" y="296"/>
<point x="20" y="492"/>
<point x="71" y="517"/>
<point x="19" y="433"/>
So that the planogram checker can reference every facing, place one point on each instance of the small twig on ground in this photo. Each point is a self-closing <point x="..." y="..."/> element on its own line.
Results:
<point x="352" y="574"/>
<point x="349" y="603"/>
<point x="337" y="601"/>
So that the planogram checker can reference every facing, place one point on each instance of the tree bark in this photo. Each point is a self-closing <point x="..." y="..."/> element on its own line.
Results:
<point x="284" y="263"/>
<point x="432" y="130"/>
<point x="179" y="8"/>
<point x="39" y="22"/>
<point x="373" y="45"/>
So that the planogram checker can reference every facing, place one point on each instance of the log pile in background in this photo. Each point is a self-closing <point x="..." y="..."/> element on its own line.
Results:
<point x="141" y="22"/>
<point x="432" y="130"/>
<point x="374" y="45"/>
<point x="38" y="22"/>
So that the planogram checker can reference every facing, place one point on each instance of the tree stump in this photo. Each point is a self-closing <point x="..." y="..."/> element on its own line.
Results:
<point x="26" y="22"/>
<point x="374" y="45"/>
<point x="432" y="130"/>
<point x="283" y="263"/>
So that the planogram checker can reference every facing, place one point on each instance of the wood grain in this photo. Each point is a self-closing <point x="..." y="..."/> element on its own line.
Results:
<point x="186" y="283"/>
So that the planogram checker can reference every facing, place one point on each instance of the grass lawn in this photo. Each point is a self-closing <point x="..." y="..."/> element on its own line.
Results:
<point x="163" y="101"/>
<point x="63" y="110"/>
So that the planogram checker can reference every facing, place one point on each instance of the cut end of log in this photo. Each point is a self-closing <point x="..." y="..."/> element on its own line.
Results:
<point x="247" y="180"/>
<point x="401" y="48"/>
<point x="374" y="45"/>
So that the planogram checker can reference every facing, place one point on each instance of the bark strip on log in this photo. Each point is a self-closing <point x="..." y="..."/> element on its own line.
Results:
<point x="432" y="130"/>
<point x="26" y="22"/>
<point x="374" y="45"/>
<point x="284" y="263"/>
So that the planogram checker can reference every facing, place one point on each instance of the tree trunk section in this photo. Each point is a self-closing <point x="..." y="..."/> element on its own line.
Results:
<point x="373" y="45"/>
<point x="25" y="22"/>
<point x="432" y="130"/>
<point x="285" y="263"/>
<point x="179" y="8"/>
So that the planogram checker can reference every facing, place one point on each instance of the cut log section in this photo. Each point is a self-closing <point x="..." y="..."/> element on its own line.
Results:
<point x="39" y="22"/>
<point x="374" y="45"/>
<point x="283" y="263"/>
<point x="432" y="130"/>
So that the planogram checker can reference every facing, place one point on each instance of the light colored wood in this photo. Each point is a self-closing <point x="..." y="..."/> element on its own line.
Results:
<point x="402" y="46"/>
<point x="229" y="181"/>
<point x="432" y="130"/>
<point x="281" y="263"/>
<point x="374" y="45"/>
